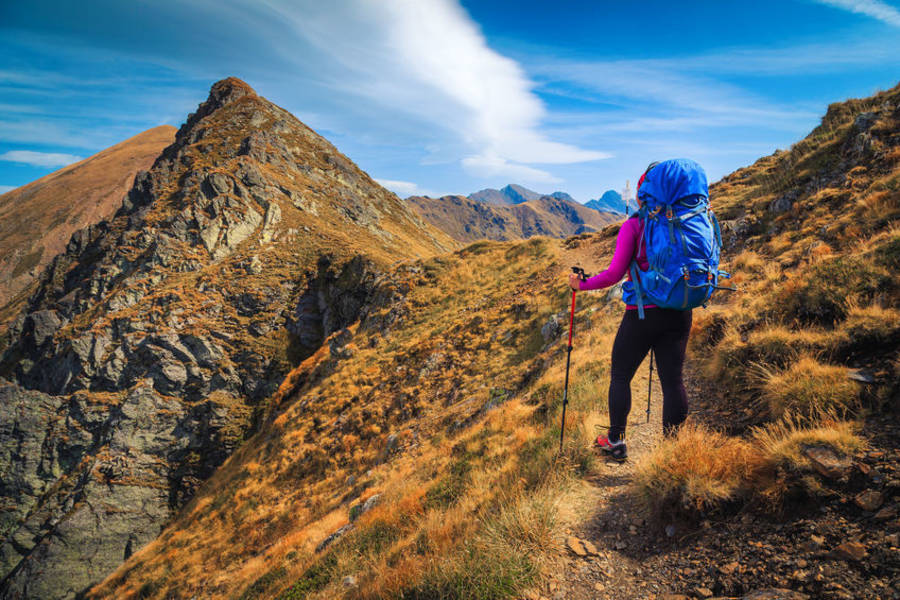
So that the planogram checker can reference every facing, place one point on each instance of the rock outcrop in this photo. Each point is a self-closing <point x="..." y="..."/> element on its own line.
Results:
<point x="147" y="347"/>
<point x="37" y="219"/>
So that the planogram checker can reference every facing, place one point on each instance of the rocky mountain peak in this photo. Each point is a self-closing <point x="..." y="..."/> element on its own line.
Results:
<point x="221" y="93"/>
<point x="249" y="240"/>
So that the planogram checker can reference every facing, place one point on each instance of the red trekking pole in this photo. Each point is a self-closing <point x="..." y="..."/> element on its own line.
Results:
<point x="562" y="431"/>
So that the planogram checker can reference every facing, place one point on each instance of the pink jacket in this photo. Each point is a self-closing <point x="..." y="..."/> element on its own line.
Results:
<point x="629" y="245"/>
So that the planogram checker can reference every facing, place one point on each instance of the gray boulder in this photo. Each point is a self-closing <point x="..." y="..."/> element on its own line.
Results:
<point x="551" y="329"/>
<point x="43" y="324"/>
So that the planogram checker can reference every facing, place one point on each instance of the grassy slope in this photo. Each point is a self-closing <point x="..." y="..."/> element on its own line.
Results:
<point x="464" y="489"/>
<point x="819" y="302"/>
<point x="819" y="282"/>
<point x="65" y="201"/>
<point x="467" y="337"/>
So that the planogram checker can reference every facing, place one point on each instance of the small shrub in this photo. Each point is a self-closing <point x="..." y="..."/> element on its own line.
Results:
<point x="530" y="524"/>
<point x="475" y="573"/>
<point x="782" y="442"/>
<point x="788" y="469"/>
<point x="316" y="577"/>
<point x="821" y="296"/>
<point x="869" y="330"/>
<point x="809" y="388"/>
<point x="451" y="486"/>
<point x="698" y="469"/>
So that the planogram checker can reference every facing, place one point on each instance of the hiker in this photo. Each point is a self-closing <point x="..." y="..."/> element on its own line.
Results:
<point x="678" y="195"/>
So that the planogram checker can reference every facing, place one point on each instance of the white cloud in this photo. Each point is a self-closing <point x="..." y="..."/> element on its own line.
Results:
<point x="486" y="165"/>
<point x="6" y="188"/>
<point x="428" y="59"/>
<point x="871" y="8"/>
<point x="401" y="188"/>
<point x="39" y="159"/>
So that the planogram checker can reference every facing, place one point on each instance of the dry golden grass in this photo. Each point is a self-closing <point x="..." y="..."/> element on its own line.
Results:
<point x="788" y="470"/>
<point x="701" y="470"/>
<point x="467" y="487"/>
<point x="698" y="469"/>
<point x="782" y="442"/>
<point x="809" y="388"/>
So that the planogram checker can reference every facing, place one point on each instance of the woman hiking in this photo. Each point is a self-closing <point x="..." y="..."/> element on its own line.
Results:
<point x="646" y="325"/>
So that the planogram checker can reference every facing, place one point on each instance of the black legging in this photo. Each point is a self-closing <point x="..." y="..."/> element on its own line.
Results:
<point x="666" y="331"/>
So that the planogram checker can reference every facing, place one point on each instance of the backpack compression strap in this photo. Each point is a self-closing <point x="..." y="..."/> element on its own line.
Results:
<point x="637" y="289"/>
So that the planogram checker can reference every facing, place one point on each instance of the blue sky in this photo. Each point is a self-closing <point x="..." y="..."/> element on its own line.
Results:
<point x="438" y="96"/>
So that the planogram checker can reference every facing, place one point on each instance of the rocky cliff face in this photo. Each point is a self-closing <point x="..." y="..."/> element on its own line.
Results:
<point x="140" y="359"/>
<point x="36" y="220"/>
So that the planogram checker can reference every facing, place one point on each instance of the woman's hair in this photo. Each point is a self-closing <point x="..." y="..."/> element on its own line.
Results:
<point x="640" y="181"/>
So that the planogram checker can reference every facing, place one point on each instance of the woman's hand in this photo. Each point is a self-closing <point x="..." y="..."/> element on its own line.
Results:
<point x="574" y="282"/>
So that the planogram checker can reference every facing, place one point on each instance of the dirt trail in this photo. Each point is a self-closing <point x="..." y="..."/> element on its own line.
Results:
<point x="615" y="529"/>
<point x="734" y="554"/>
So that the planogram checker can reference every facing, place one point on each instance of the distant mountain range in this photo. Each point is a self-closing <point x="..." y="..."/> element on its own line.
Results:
<point x="512" y="194"/>
<point x="611" y="200"/>
<point x="468" y="220"/>
<point x="513" y="212"/>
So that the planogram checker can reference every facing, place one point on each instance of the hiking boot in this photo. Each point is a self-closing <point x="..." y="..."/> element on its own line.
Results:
<point x="615" y="450"/>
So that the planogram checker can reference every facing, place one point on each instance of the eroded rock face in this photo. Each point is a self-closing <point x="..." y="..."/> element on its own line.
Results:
<point x="92" y="480"/>
<point x="108" y="468"/>
<point x="139" y="361"/>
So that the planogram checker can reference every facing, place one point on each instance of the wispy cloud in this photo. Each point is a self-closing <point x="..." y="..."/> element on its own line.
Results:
<point x="693" y="94"/>
<point x="658" y="83"/>
<point x="428" y="58"/>
<point x="882" y="11"/>
<point x="493" y="166"/>
<point x="6" y="188"/>
<point x="39" y="159"/>
<point x="401" y="188"/>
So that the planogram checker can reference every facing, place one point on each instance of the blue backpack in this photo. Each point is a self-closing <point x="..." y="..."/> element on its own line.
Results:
<point x="682" y="237"/>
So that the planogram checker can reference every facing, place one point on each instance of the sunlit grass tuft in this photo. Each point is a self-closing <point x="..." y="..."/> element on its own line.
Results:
<point x="809" y="388"/>
<point x="698" y="469"/>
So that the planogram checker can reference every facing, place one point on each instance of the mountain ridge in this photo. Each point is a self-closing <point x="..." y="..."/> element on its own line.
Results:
<point x="418" y="453"/>
<point x="611" y="200"/>
<point x="96" y="184"/>
<point x="470" y="220"/>
<point x="157" y="335"/>
<point x="509" y="194"/>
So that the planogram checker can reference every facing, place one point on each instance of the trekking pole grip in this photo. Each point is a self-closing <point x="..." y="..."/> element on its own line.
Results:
<point x="580" y="272"/>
